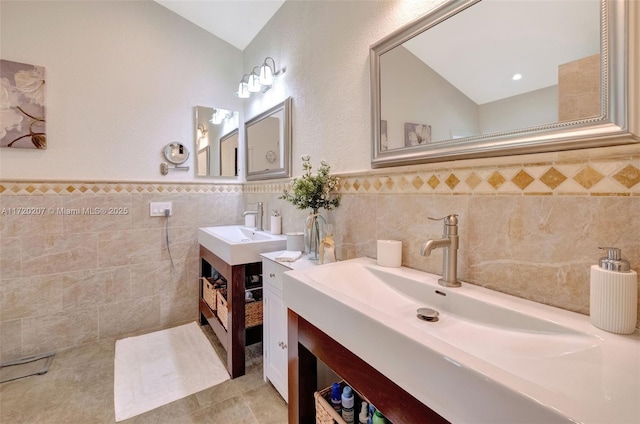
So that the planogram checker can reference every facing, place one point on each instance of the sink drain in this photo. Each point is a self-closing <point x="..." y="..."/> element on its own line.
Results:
<point x="428" y="314"/>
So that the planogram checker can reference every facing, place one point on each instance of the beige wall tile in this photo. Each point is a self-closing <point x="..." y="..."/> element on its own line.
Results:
<point x="131" y="316"/>
<point x="117" y="248"/>
<point x="10" y="340"/>
<point x="30" y="296"/>
<point x="30" y="215"/>
<point x="183" y="243"/>
<point x="10" y="257"/>
<point x="177" y="309"/>
<point x="95" y="287"/>
<point x="149" y="279"/>
<point x="60" y="329"/>
<point x="52" y="254"/>
<point x="91" y="214"/>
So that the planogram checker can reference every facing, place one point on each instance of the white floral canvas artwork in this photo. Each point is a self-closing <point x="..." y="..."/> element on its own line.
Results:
<point x="416" y="134"/>
<point x="22" y="110"/>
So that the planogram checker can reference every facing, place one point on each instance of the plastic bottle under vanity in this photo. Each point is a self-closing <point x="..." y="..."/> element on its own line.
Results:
<point x="613" y="296"/>
<point x="363" y="417"/>
<point x="378" y="418"/>
<point x="348" y="401"/>
<point x="336" y="398"/>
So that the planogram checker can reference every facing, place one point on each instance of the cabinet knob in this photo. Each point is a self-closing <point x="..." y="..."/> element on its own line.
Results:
<point x="283" y="345"/>
<point x="272" y="275"/>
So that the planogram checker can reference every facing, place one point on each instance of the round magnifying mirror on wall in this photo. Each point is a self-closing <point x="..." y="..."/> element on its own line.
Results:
<point x="176" y="153"/>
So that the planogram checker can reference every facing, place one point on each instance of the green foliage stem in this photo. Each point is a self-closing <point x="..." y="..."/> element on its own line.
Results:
<point x="313" y="191"/>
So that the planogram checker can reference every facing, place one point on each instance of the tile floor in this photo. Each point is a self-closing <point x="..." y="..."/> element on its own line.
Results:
<point x="78" y="389"/>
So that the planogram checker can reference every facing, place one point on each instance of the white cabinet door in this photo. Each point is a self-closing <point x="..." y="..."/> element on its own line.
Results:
<point x="276" y="359"/>
<point x="274" y="327"/>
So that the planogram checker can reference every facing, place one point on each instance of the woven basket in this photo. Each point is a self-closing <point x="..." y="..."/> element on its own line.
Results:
<point x="209" y="293"/>
<point x="325" y="414"/>
<point x="252" y="311"/>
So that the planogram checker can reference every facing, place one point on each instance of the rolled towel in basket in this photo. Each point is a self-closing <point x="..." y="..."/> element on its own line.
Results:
<point x="288" y="256"/>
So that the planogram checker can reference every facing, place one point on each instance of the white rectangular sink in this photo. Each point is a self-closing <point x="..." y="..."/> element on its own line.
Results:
<point x="490" y="357"/>
<point x="238" y="245"/>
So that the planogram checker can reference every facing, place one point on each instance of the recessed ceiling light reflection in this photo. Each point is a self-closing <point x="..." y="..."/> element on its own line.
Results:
<point x="516" y="77"/>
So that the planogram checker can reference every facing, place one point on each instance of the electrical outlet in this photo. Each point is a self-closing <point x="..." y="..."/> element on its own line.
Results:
<point x="158" y="208"/>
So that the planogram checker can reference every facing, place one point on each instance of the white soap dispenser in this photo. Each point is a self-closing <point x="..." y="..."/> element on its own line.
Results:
<point x="614" y="294"/>
<point x="276" y="222"/>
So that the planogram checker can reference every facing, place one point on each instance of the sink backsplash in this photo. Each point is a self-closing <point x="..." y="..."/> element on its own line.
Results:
<point x="528" y="229"/>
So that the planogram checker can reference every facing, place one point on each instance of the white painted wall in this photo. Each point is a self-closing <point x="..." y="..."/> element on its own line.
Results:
<point x="325" y="47"/>
<point x="122" y="80"/>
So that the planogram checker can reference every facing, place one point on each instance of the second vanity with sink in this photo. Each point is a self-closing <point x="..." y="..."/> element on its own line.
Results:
<point x="488" y="358"/>
<point x="234" y="251"/>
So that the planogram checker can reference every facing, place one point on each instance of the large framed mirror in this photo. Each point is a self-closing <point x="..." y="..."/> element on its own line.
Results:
<point x="479" y="78"/>
<point x="216" y="132"/>
<point x="268" y="143"/>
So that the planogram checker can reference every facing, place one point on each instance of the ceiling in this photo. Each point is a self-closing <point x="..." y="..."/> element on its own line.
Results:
<point x="235" y="21"/>
<point x="480" y="49"/>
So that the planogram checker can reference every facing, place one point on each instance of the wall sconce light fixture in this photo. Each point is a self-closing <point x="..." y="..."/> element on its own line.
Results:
<point x="260" y="79"/>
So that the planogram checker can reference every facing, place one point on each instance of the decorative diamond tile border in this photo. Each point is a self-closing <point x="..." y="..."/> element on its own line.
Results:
<point x="117" y="188"/>
<point x="601" y="177"/>
<point x="608" y="177"/>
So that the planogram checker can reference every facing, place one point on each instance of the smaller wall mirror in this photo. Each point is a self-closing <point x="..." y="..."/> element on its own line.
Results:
<point x="268" y="143"/>
<point x="176" y="153"/>
<point x="213" y="127"/>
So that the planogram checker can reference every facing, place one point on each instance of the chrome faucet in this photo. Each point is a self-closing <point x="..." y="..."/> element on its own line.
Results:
<point x="449" y="244"/>
<point x="258" y="213"/>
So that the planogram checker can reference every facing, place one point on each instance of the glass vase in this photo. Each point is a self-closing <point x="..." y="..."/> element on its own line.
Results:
<point x="314" y="231"/>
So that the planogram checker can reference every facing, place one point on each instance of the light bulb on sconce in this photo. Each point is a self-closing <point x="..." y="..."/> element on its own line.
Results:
<point x="243" y="87"/>
<point x="254" y="81"/>
<point x="266" y="72"/>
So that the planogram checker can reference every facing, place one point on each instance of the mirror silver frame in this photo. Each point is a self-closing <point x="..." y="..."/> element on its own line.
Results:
<point x="285" y="150"/>
<point x="610" y="128"/>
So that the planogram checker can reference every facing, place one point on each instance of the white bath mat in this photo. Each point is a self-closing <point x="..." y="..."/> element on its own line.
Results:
<point x="158" y="368"/>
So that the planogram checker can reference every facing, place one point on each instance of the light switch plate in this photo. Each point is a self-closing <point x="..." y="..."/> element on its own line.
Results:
<point x="158" y="208"/>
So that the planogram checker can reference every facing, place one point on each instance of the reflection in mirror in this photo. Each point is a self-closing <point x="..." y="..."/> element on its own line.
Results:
<point x="212" y="126"/>
<point x="176" y="153"/>
<point x="268" y="143"/>
<point x="202" y="164"/>
<point x="481" y="78"/>
<point x="229" y="154"/>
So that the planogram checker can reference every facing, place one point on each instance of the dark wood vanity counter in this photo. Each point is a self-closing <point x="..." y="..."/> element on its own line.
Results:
<point x="306" y="344"/>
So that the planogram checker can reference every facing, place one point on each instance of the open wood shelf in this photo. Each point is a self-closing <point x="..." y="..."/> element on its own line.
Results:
<point x="236" y="336"/>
